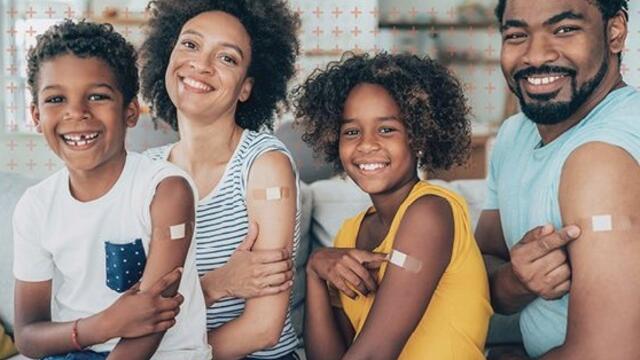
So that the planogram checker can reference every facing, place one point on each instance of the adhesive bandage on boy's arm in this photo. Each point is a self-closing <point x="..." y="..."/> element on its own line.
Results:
<point x="404" y="261"/>
<point x="603" y="223"/>
<point x="173" y="232"/>
<point x="273" y="193"/>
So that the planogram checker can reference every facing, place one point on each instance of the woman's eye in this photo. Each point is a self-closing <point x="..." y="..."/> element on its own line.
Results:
<point x="54" y="99"/>
<point x="228" y="59"/>
<point x="188" y="44"/>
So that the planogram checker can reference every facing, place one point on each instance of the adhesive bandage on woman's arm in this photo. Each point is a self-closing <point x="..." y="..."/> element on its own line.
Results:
<point x="271" y="193"/>
<point x="400" y="259"/>
<point x="173" y="232"/>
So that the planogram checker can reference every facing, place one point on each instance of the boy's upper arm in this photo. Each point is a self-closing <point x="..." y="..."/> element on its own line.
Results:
<point x="31" y="261"/>
<point x="276" y="220"/>
<point x="32" y="302"/>
<point x="604" y="317"/>
<point x="426" y="234"/>
<point x="172" y="206"/>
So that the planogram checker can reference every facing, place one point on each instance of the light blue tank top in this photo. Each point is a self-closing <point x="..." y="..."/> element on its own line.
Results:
<point x="523" y="183"/>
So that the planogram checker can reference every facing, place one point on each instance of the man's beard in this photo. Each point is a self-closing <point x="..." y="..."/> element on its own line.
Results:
<point x="547" y="111"/>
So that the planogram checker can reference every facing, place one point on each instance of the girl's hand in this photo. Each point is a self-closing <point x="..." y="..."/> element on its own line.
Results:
<point x="249" y="273"/>
<point x="346" y="269"/>
<point x="138" y="313"/>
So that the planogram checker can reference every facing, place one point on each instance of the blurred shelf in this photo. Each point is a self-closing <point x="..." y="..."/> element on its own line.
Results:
<point x="322" y="52"/>
<point x="437" y="26"/>
<point x="120" y="20"/>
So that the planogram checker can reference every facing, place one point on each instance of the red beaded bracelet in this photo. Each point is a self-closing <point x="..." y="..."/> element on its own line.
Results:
<point x="74" y="335"/>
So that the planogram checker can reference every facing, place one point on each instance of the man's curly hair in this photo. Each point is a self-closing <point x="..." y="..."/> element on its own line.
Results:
<point x="272" y="27"/>
<point x="85" y="40"/>
<point x="430" y="99"/>
<point x="608" y="8"/>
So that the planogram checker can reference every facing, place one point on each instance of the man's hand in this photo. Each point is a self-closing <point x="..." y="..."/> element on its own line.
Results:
<point x="539" y="261"/>
<point x="138" y="313"/>
<point x="249" y="273"/>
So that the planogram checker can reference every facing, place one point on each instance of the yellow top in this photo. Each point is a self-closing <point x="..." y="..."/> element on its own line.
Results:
<point x="455" y="323"/>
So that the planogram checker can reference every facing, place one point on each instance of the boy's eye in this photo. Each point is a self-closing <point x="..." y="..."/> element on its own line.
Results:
<point x="98" y="97"/>
<point x="54" y="99"/>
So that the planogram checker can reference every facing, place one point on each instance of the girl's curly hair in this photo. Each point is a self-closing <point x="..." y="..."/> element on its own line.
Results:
<point x="272" y="27"/>
<point x="85" y="39"/>
<point x="431" y="102"/>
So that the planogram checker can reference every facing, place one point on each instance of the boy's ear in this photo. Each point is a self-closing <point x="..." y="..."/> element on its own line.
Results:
<point x="132" y="113"/>
<point x="35" y="115"/>
<point x="245" y="92"/>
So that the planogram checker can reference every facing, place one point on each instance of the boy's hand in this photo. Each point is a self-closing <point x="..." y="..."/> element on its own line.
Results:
<point x="137" y="313"/>
<point x="249" y="273"/>
<point x="346" y="269"/>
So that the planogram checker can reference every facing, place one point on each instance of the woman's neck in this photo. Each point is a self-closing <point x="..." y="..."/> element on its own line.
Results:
<point x="205" y="143"/>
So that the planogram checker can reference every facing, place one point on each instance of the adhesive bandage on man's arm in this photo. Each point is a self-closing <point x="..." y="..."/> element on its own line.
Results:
<point x="173" y="232"/>
<point x="603" y="223"/>
<point x="273" y="193"/>
<point x="400" y="259"/>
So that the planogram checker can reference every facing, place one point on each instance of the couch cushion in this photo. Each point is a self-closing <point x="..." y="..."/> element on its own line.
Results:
<point x="11" y="188"/>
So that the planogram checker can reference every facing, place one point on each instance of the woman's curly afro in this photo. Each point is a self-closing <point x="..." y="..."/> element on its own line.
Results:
<point x="431" y="102"/>
<point x="272" y="27"/>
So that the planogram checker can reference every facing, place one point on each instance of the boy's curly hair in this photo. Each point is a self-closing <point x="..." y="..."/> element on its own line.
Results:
<point x="272" y="27"/>
<point x="431" y="102"/>
<point x="85" y="40"/>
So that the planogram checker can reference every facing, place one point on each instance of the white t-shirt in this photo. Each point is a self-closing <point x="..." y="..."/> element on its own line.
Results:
<point x="74" y="243"/>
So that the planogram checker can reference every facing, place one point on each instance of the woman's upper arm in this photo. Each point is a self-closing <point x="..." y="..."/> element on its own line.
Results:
<point x="426" y="234"/>
<point x="172" y="205"/>
<point x="276" y="218"/>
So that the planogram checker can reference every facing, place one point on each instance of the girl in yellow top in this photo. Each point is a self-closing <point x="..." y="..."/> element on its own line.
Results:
<point x="379" y="119"/>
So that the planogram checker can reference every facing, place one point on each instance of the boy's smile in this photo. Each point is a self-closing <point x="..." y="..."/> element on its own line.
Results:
<point x="80" y="112"/>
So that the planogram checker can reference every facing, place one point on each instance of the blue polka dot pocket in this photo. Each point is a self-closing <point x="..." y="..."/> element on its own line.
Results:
<point x="125" y="264"/>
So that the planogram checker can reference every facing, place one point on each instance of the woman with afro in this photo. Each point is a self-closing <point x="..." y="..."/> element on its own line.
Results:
<point x="216" y="71"/>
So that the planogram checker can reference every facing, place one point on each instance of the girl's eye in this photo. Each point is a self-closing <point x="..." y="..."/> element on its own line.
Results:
<point x="98" y="97"/>
<point x="54" y="99"/>
<point x="386" y="130"/>
<point x="350" y="132"/>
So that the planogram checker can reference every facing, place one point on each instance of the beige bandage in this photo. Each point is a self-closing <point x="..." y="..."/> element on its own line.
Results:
<point x="609" y="223"/>
<point x="173" y="232"/>
<point x="271" y="193"/>
<point x="400" y="259"/>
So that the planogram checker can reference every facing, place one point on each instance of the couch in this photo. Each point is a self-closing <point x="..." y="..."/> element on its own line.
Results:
<point x="325" y="204"/>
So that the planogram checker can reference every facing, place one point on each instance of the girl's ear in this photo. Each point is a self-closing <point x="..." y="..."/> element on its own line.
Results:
<point x="35" y="115"/>
<point x="132" y="113"/>
<point x="245" y="92"/>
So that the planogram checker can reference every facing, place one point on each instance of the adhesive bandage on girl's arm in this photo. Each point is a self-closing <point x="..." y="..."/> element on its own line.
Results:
<point x="271" y="193"/>
<point x="603" y="223"/>
<point x="173" y="232"/>
<point x="400" y="259"/>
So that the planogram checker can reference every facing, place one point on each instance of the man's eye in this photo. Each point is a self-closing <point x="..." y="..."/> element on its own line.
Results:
<point x="514" y="36"/>
<point x="566" y="30"/>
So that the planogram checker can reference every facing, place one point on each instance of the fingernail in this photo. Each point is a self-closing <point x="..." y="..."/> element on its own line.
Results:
<point x="573" y="231"/>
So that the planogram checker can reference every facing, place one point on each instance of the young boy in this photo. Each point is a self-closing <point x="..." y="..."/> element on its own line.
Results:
<point x="85" y="236"/>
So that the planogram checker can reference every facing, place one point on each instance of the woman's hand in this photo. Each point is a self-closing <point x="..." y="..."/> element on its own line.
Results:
<point x="249" y="273"/>
<point x="346" y="269"/>
<point x="138" y="313"/>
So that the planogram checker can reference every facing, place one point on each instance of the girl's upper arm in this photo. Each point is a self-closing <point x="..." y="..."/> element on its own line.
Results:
<point x="426" y="233"/>
<point x="172" y="205"/>
<point x="275" y="212"/>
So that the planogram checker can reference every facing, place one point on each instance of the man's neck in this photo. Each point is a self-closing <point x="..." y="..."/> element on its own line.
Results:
<point x="612" y="82"/>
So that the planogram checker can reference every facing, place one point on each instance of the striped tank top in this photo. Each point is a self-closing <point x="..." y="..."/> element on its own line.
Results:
<point x="222" y="223"/>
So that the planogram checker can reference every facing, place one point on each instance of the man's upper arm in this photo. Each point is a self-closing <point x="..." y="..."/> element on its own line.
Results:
<point x="489" y="235"/>
<point x="604" y="316"/>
